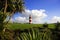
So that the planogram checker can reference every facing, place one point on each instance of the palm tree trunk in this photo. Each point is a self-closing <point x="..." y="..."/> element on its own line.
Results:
<point x="9" y="19"/>
<point x="5" y="9"/>
<point x="5" y="6"/>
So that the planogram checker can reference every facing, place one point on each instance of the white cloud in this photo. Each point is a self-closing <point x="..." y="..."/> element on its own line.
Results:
<point x="21" y="19"/>
<point x="35" y="13"/>
<point x="37" y="16"/>
<point x="54" y="19"/>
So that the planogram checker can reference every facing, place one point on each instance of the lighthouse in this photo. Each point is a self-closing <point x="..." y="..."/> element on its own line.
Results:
<point x="30" y="19"/>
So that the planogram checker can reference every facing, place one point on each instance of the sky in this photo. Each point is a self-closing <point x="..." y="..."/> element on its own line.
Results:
<point x="41" y="11"/>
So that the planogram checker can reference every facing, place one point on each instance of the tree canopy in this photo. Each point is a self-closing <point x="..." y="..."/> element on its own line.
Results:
<point x="8" y="8"/>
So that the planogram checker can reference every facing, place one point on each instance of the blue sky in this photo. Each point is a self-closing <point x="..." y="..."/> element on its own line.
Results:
<point x="52" y="8"/>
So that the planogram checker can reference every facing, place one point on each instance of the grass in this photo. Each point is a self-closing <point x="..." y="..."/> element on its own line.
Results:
<point x="52" y="26"/>
<point x="26" y="26"/>
<point x="23" y="26"/>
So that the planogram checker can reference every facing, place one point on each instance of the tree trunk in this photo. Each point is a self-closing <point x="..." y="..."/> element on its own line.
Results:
<point x="4" y="13"/>
<point x="5" y="8"/>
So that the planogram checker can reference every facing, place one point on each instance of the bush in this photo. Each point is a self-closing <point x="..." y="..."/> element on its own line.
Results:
<point x="45" y="25"/>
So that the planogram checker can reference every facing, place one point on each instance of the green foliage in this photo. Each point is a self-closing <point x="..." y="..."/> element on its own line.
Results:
<point x="36" y="34"/>
<point x="2" y="18"/>
<point x="6" y="36"/>
<point x="12" y="5"/>
<point x="8" y="8"/>
<point x="45" y="25"/>
<point x="57" y="25"/>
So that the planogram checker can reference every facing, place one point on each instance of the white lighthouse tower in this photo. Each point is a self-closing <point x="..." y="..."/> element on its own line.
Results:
<point x="30" y="19"/>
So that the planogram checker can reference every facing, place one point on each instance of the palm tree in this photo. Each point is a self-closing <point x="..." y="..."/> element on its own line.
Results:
<point x="8" y="8"/>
